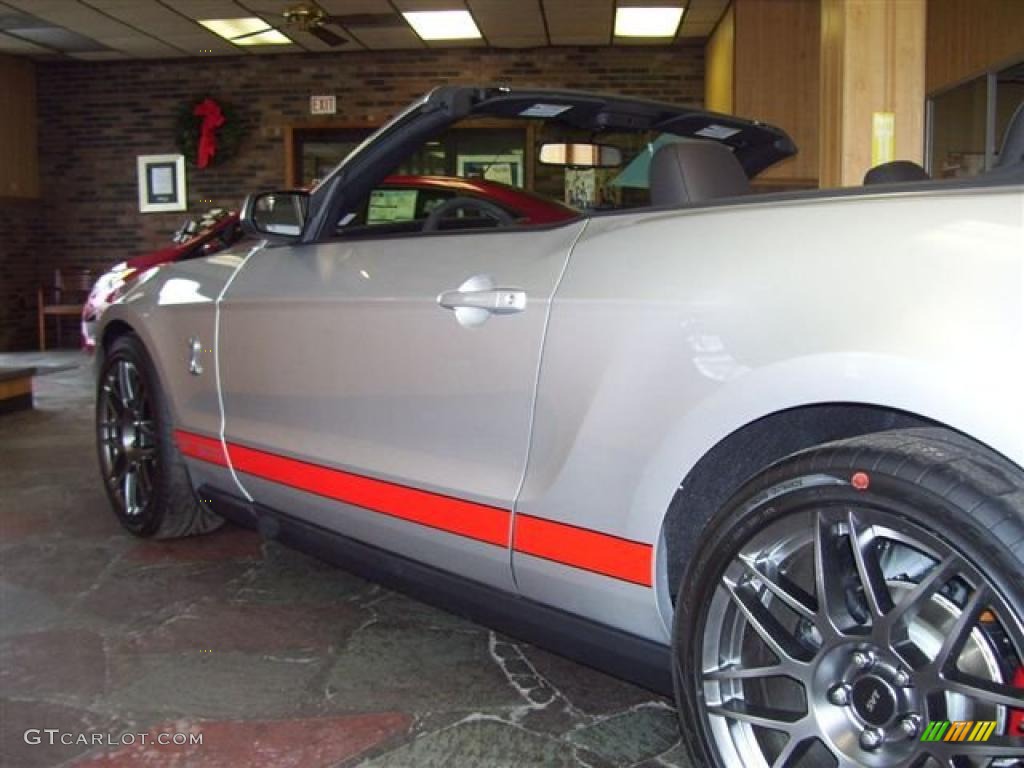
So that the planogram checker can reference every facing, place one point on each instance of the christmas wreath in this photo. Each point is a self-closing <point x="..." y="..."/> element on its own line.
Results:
<point x="208" y="132"/>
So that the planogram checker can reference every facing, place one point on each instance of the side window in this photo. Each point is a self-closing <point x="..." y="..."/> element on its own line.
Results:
<point x="395" y="210"/>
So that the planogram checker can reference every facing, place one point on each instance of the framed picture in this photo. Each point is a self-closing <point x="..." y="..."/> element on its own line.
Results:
<point x="505" y="169"/>
<point x="161" y="183"/>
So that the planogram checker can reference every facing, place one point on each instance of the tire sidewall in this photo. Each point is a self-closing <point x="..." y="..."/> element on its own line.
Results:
<point x="787" y="488"/>
<point x="131" y="349"/>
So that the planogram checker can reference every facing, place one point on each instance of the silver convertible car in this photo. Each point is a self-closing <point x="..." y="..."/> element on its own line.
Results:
<point x="764" y="451"/>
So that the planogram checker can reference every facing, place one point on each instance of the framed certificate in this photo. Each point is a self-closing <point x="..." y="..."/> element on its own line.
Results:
<point x="161" y="183"/>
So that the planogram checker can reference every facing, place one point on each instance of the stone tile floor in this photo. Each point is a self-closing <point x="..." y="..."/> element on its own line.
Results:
<point x="274" y="658"/>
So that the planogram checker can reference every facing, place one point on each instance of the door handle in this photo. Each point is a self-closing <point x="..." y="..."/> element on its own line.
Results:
<point x="496" y="301"/>
<point x="478" y="298"/>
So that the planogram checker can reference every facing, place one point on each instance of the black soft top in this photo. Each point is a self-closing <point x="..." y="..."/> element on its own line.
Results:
<point x="756" y="145"/>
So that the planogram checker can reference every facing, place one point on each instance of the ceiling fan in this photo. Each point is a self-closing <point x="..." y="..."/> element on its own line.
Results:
<point x="311" y="18"/>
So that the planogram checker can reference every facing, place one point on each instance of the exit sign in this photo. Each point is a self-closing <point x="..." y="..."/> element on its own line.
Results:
<point x="323" y="105"/>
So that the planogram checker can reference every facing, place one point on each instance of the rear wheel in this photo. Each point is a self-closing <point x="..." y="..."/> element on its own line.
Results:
<point x="850" y="597"/>
<point x="143" y="471"/>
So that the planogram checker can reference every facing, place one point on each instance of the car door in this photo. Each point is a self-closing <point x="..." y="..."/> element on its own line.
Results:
<point x="354" y="400"/>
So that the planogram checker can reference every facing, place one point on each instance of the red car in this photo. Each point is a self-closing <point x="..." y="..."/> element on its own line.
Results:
<point x="399" y="199"/>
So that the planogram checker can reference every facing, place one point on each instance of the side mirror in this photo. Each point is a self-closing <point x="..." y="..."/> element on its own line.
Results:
<point x="276" y="214"/>
<point x="581" y="155"/>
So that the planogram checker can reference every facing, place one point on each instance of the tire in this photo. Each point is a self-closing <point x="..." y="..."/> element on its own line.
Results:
<point x="913" y="613"/>
<point x="143" y="472"/>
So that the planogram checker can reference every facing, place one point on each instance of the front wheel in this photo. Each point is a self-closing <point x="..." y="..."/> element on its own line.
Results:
<point x="860" y="604"/>
<point x="143" y="471"/>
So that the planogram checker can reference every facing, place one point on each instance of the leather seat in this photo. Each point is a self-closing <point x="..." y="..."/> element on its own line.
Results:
<point x="692" y="171"/>
<point x="895" y="172"/>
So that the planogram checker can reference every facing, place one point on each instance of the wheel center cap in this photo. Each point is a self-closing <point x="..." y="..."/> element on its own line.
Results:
<point x="128" y="437"/>
<point x="874" y="700"/>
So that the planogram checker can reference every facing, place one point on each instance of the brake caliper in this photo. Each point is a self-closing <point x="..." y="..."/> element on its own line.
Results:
<point x="1017" y="715"/>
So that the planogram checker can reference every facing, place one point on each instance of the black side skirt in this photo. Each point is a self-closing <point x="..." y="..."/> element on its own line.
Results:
<point x="618" y="653"/>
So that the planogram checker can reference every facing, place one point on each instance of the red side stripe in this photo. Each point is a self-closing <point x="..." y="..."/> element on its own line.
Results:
<point x="199" y="447"/>
<point x="564" y="544"/>
<point x="475" y="521"/>
<point x="581" y="548"/>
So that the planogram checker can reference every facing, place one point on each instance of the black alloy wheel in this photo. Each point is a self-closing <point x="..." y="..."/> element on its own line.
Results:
<point x="143" y="472"/>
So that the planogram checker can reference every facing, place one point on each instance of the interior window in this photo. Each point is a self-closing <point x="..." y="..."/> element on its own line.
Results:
<point x="317" y="150"/>
<point x="496" y="154"/>
<point x="492" y="166"/>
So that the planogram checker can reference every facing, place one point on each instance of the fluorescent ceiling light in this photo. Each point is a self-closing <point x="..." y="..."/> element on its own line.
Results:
<point x="247" y="31"/>
<point x="269" y="37"/>
<point x="647" y="22"/>
<point x="443" y="25"/>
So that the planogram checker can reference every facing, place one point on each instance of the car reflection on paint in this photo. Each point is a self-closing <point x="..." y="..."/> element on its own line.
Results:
<point x="399" y="196"/>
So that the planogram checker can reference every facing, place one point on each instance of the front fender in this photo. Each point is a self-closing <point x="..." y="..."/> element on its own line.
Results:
<point x="167" y="307"/>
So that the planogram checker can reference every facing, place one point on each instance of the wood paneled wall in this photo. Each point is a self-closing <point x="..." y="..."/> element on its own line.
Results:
<point x="967" y="37"/>
<point x="763" y="63"/>
<point x="19" y="154"/>
<point x="872" y="61"/>
<point x="720" y="55"/>
<point x="777" y="54"/>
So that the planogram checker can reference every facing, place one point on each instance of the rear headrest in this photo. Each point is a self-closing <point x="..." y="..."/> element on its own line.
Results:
<point x="896" y="171"/>
<point x="691" y="171"/>
<point x="1012" y="151"/>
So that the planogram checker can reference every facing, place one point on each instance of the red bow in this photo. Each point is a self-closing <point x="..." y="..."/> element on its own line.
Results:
<point x="213" y="118"/>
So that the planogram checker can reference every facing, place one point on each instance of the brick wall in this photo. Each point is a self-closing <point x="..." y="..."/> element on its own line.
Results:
<point x="95" y="118"/>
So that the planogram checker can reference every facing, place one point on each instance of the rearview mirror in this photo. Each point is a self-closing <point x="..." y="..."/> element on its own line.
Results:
<point x="581" y="155"/>
<point x="276" y="214"/>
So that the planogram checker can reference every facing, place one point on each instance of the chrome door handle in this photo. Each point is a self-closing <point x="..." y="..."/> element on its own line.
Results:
<point x="497" y="301"/>
<point x="478" y="298"/>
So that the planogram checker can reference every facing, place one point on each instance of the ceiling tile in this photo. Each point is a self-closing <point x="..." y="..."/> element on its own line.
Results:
<point x="10" y="44"/>
<point x="430" y="5"/>
<point x="203" y="45"/>
<point x="207" y="9"/>
<point x="579" y="22"/>
<point x="697" y="30"/>
<point x="157" y="28"/>
<point x="521" y="29"/>
<point x="147" y="15"/>
<point x="143" y="46"/>
<point x="348" y="7"/>
<point x="706" y="10"/>
<point x="72" y="15"/>
<point x="385" y="38"/>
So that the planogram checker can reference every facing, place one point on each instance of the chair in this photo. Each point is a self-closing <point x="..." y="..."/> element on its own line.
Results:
<point x="70" y="289"/>
<point x="896" y="172"/>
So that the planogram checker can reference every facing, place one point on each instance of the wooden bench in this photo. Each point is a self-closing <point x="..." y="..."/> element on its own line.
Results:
<point x="64" y="298"/>
<point x="16" y="389"/>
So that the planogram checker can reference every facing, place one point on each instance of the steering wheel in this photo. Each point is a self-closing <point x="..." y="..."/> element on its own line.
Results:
<point x="487" y="208"/>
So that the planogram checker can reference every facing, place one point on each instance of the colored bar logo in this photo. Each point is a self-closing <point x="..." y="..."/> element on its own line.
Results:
<point x="961" y="730"/>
